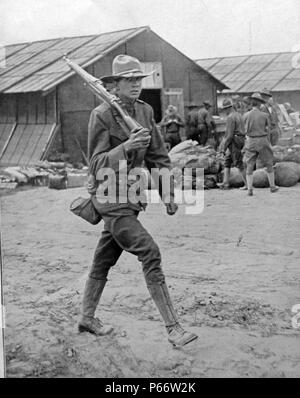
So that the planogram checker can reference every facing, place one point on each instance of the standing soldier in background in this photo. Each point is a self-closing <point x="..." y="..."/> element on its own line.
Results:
<point x="270" y="109"/>
<point x="257" y="143"/>
<point x="206" y="125"/>
<point x="233" y="143"/>
<point x="247" y="106"/>
<point x="108" y="145"/>
<point x="237" y="103"/>
<point x="172" y="123"/>
<point x="192" y="132"/>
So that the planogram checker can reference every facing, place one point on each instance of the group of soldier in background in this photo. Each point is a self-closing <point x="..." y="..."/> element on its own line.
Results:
<point x="200" y="125"/>
<point x="252" y="128"/>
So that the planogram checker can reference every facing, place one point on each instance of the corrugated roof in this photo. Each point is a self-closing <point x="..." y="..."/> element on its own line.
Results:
<point x="38" y="66"/>
<point x="251" y="73"/>
<point x="34" y="66"/>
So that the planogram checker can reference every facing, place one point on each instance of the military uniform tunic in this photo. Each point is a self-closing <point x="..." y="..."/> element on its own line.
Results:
<point x="234" y="140"/>
<point x="122" y="229"/>
<point x="257" y="142"/>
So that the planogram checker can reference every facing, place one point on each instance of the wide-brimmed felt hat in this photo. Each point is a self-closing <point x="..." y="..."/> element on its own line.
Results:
<point x="258" y="97"/>
<point x="266" y="92"/>
<point x="207" y="103"/>
<point x="125" y="66"/>
<point x="227" y="103"/>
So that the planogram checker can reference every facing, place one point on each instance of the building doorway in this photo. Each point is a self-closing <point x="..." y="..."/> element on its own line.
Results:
<point x="153" y="98"/>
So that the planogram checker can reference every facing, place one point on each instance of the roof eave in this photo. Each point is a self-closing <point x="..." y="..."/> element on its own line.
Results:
<point x="50" y="87"/>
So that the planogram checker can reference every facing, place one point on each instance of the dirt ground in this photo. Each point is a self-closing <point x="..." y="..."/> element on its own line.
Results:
<point x="233" y="272"/>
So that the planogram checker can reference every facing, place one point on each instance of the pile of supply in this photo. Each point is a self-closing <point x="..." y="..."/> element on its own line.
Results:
<point x="190" y="155"/>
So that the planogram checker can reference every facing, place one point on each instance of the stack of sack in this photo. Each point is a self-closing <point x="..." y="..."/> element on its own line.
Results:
<point x="55" y="175"/>
<point x="190" y="155"/>
<point x="286" y="168"/>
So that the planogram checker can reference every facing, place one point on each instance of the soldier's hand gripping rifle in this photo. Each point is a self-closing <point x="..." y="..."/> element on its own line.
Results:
<point x="96" y="86"/>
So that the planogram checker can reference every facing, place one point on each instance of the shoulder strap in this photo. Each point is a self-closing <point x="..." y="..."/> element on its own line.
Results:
<point x="140" y="101"/>
<point x="119" y="120"/>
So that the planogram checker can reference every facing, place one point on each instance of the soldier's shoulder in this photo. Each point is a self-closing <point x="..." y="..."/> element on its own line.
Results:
<point x="145" y="106"/>
<point x="143" y="103"/>
<point x="102" y="109"/>
<point x="246" y="114"/>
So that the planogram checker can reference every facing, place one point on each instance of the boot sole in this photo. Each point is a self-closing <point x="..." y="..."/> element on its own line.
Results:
<point x="82" y="329"/>
<point x="185" y="342"/>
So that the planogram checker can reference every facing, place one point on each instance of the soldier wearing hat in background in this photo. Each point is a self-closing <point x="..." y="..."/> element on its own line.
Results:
<point x="257" y="143"/>
<point x="288" y="108"/>
<point x="206" y="125"/>
<point x="270" y="109"/>
<point x="108" y="144"/>
<point x="172" y="123"/>
<point x="233" y="143"/>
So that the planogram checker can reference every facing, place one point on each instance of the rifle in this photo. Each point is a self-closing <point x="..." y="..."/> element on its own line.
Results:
<point x="96" y="86"/>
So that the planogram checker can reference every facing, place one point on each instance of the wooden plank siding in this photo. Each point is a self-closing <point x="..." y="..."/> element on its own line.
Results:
<point x="8" y="108"/>
<point x="28" y="108"/>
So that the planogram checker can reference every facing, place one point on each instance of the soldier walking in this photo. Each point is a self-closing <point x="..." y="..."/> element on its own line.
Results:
<point x="108" y="144"/>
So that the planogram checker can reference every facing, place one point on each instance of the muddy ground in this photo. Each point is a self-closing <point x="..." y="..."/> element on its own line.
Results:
<point x="233" y="273"/>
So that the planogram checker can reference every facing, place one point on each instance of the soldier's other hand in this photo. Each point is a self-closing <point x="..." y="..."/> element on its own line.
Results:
<point x="172" y="208"/>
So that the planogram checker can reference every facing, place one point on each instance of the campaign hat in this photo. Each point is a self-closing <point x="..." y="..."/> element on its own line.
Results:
<point x="125" y="66"/>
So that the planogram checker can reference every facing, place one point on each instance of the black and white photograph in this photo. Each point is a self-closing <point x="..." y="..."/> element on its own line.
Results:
<point x="149" y="191"/>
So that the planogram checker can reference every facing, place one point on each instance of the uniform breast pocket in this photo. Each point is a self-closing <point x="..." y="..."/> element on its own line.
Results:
<point x="117" y="136"/>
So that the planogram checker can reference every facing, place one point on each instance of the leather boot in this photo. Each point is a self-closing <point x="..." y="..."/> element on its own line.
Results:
<point x="92" y="293"/>
<point x="176" y="334"/>
<point x="225" y="184"/>
<point x="271" y="178"/>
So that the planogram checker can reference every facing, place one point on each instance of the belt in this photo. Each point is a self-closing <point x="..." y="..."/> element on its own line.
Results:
<point x="239" y="135"/>
<point x="257" y="136"/>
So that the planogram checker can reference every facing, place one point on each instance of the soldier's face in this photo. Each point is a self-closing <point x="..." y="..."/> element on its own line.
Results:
<point x="130" y="87"/>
